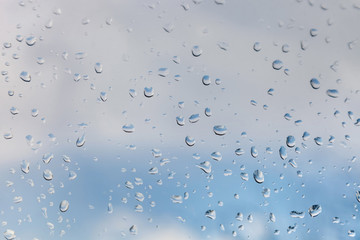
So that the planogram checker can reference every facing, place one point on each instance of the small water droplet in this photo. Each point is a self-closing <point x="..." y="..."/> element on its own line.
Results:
<point x="25" y="76"/>
<point x="194" y="118"/>
<point x="208" y="112"/>
<point x="133" y="230"/>
<point x="272" y="217"/>
<point x="80" y="141"/>
<point x="30" y="41"/>
<point x="257" y="47"/>
<point x="277" y="64"/>
<point x="103" y="96"/>
<point x="216" y="156"/>
<point x="9" y="234"/>
<point x="153" y="170"/>
<point x="293" y="163"/>
<point x="295" y="214"/>
<point x="332" y="93"/>
<point x="47" y="157"/>
<point x="98" y="67"/>
<point x="211" y="214"/>
<point x="313" y="32"/>
<point x="266" y="192"/>
<point x="48" y="175"/>
<point x="254" y="152"/>
<point x="315" y="84"/>
<point x="205" y="166"/>
<point x="148" y="92"/>
<point x="163" y="72"/>
<point x="64" y="206"/>
<point x="290" y="141"/>
<point x="72" y="175"/>
<point x="285" y="48"/>
<point x="176" y="199"/>
<point x="244" y="176"/>
<point x="220" y="130"/>
<point x="318" y="141"/>
<point x="283" y="153"/>
<point x="196" y="51"/>
<point x="190" y="141"/>
<point x="357" y="195"/>
<point x="258" y="176"/>
<point x="315" y="210"/>
<point x="239" y="151"/>
<point x="128" y="128"/>
<point x="25" y="166"/>
<point x="206" y="80"/>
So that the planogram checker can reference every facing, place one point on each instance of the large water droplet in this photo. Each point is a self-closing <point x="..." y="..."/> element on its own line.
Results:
<point x="277" y="64"/>
<point x="64" y="206"/>
<point x="98" y="67"/>
<point x="80" y="141"/>
<point x="190" y="141"/>
<point x="25" y="76"/>
<point x="9" y="234"/>
<point x="48" y="175"/>
<point x="220" y="130"/>
<point x="148" y="92"/>
<point x="128" y="128"/>
<point x="206" y="80"/>
<point x="351" y="233"/>
<point x="205" y="166"/>
<point x="30" y="41"/>
<point x="315" y="84"/>
<point x="194" y="118"/>
<point x="332" y="93"/>
<point x="254" y="152"/>
<point x="290" y="141"/>
<point x="283" y="153"/>
<point x="216" y="156"/>
<point x="315" y="210"/>
<point x="211" y="214"/>
<point x="259" y="176"/>
<point x="196" y="51"/>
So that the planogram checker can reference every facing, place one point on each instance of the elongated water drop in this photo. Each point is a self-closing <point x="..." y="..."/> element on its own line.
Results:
<point x="196" y="51"/>
<point x="205" y="166"/>
<point x="283" y="153"/>
<point x="315" y="210"/>
<point x="64" y="206"/>
<point x="220" y="130"/>
<point x="315" y="84"/>
<point x="103" y="96"/>
<point x="239" y="151"/>
<point x="216" y="156"/>
<point x="259" y="176"/>
<point x="357" y="195"/>
<point x="132" y="93"/>
<point x="133" y="230"/>
<point x="163" y="72"/>
<point x="98" y="67"/>
<point x="318" y="141"/>
<point x="210" y="214"/>
<point x="332" y="93"/>
<point x="290" y="141"/>
<point x="176" y="199"/>
<point x="254" y="152"/>
<point x="180" y="120"/>
<point x="80" y="141"/>
<point x="208" y="112"/>
<point x="25" y="166"/>
<point x="194" y="118"/>
<point x="257" y="47"/>
<point x="295" y="214"/>
<point x="272" y="217"/>
<point x="128" y="128"/>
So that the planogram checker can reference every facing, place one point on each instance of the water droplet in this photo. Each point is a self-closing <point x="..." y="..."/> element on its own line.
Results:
<point x="98" y="67"/>
<point x="163" y="72"/>
<point x="283" y="153"/>
<point x="129" y="185"/>
<point x="148" y="92"/>
<point x="332" y="93"/>
<point x="139" y="196"/>
<point x="9" y="234"/>
<point x="313" y="32"/>
<point x="48" y="175"/>
<point x="176" y="59"/>
<point x="169" y="27"/>
<point x="285" y="48"/>
<point x="266" y="192"/>
<point x="206" y="80"/>
<point x="257" y="47"/>
<point x="64" y="206"/>
<point x="205" y="166"/>
<point x="271" y="91"/>
<point x="196" y="51"/>
<point x="293" y="163"/>
<point x="211" y="214"/>
<point x="318" y="141"/>
<point x="30" y="41"/>
<point x="272" y="217"/>
<point x="244" y="176"/>
<point x="128" y="128"/>
<point x="315" y="84"/>
<point x="216" y="156"/>
<point x="72" y="175"/>
<point x="258" y="176"/>
<point x="351" y="233"/>
<point x="25" y="76"/>
<point x="287" y="116"/>
<point x="220" y="130"/>
<point x="277" y="64"/>
<point x="176" y="199"/>
<point x="132" y="93"/>
<point x="208" y="112"/>
<point x="306" y="136"/>
<point x="223" y="45"/>
<point x="357" y="195"/>
<point x="47" y="157"/>
<point x="25" y="166"/>
<point x="194" y="118"/>
<point x="153" y="171"/>
<point x="315" y="210"/>
<point x="14" y="111"/>
<point x="254" y="152"/>
<point x="239" y="151"/>
<point x="133" y="230"/>
<point x="103" y="96"/>
<point x="17" y="199"/>
<point x="180" y="120"/>
<point x="295" y="214"/>
<point x="190" y="141"/>
<point x="290" y="141"/>
<point x="80" y="141"/>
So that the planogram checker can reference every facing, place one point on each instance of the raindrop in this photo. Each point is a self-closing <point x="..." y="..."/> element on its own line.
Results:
<point x="293" y="163"/>
<point x="66" y="159"/>
<point x="18" y="199"/>
<point x="64" y="206"/>
<point x="220" y="130"/>
<point x="180" y="120"/>
<point x="313" y="32"/>
<point x="194" y="118"/>
<point x="30" y="41"/>
<point x="283" y="153"/>
<point x="34" y="112"/>
<point x="205" y="166"/>
<point x="266" y="192"/>
<point x="271" y="91"/>
<point x="103" y="96"/>
<point x="133" y="230"/>
<point x="48" y="175"/>
<point x="206" y="80"/>
<point x="163" y="72"/>
<point x="196" y="51"/>
<point x="285" y="48"/>
<point x="318" y="141"/>
<point x="47" y="157"/>
<point x="332" y="93"/>
<point x="216" y="156"/>
<point x="315" y="84"/>
<point x="148" y="92"/>
<point x="277" y="64"/>
<point x="295" y="214"/>
<point x="351" y="233"/>
<point x="139" y="196"/>
<point x="9" y="234"/>
<point x="239" y="151"/>
<point x="357" y="195"/>
<point x="239" y="216"/>
<point x="258" y="176"/>
<point x="132" y="93"/>
<point x="244" y="176"/>
<point x="211" y="214"/>
<point x="25" y="166"/>
<point x="176" y="199"/>
<point x="190" y="141"/>
<point x="98" y="67"/>
<point x="208" y="112"/>
<point x="72" y="175"/>
<point x="25" y="76"/>
<point x="128" y="128"/>
<point x="306" y="136"/>
<point x="80" y="141"/>
<point x="272" y="217"/>
<point x="254" y="152"/>
<point x="257" y="47"/>
<point x="290" y="141"/>
<point x="153" y="170"/>
<point x="110" y="208"/>
<point x="14" y="110"/>
<point x="357" y="123"/>
<point x="315" y="210"/>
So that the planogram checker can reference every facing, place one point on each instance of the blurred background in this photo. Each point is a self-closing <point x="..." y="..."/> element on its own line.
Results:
<point x="202" y="119"/>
